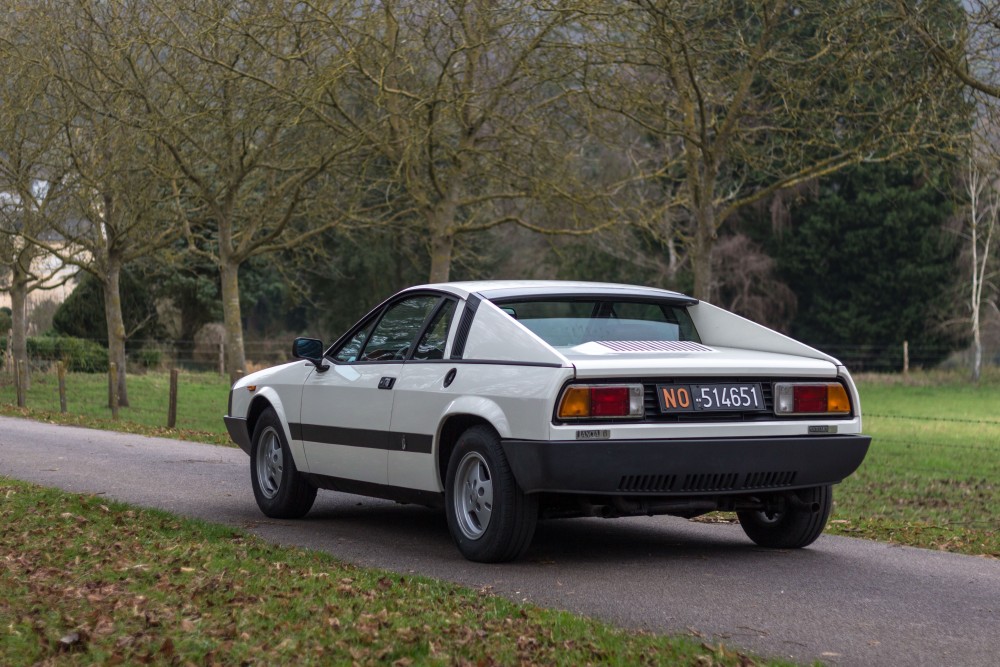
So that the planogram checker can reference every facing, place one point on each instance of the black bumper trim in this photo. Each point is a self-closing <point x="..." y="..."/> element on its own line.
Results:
<point x="690" y="467"/>
<point x="238" y="432"/>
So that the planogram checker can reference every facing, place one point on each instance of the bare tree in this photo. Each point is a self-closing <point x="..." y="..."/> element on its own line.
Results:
<point x="982" y="182"/>
<point x="968" y="51"/>
<point x="462" y="109"/>
<point x="33" y="191"/>
<point x="733" y="101"/>
<point x="109" y="167"/>
<point x="250" y="174"/>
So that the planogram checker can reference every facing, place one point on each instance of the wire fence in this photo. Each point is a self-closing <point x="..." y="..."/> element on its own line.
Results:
<point x="209" y="355"/>
<point x="187" y="355"/>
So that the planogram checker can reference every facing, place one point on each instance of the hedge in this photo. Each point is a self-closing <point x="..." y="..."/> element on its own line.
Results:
<point x="81" y="356"/>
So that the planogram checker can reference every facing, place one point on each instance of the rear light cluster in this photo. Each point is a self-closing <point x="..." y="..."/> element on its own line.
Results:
<point x="811" y="398"/>
<point x="601" y="401"/>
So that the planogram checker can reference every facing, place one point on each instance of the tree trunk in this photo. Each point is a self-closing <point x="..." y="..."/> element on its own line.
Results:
<point x="442" y="246"/>
<point x="19" y="322"/>
<point x="977" y="359"/>
<point x="701" y="251"/>
<point x="235" y="361"/>
<point x="116" y="326"/>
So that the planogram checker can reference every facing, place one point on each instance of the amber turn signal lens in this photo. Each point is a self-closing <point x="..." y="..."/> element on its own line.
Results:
<point x="575" y="403"/>
<point x="836" y="399"/>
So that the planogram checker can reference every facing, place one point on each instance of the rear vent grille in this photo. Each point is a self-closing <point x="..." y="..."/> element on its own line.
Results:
<point x="761" y="480"/>
<point x="654" y="346"/>
<point x="647" y="483"/>
<point x="712" y="482"/>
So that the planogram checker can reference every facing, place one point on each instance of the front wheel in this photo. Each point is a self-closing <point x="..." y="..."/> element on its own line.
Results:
<point x="490" y="518"/>
<point x="797" y="525"/>
<point x="281" y="491"/>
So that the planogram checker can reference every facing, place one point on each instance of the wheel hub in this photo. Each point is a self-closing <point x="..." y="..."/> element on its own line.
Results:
<point x="473" y="496"/>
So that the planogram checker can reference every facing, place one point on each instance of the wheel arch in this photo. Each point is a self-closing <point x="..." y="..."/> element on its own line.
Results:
<point x="268" y="398"/>
<point x="452" y="427"/>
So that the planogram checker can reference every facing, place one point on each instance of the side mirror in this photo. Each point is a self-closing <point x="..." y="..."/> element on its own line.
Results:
<point x="310" y="349"/>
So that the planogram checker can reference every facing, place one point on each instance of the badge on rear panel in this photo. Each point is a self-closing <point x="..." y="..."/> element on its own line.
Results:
<point x="594" y="435"/>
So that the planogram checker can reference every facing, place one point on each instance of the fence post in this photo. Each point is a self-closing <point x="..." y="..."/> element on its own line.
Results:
<point x="9" y="354"/>
<point x="19" y="374"/>
<point x="172" y="408"/>
<point x="222" y="359"/>
<point x="61" y="372"/>
<point x="113" y="389"/>
<point x="906" y="357"/>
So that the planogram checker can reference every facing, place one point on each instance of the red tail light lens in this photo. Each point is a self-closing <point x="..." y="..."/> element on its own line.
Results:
<point x="609" y="402"/>
<point x="810" y="398"/>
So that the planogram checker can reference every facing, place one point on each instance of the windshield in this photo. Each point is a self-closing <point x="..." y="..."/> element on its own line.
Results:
<point x="571" y="322"/>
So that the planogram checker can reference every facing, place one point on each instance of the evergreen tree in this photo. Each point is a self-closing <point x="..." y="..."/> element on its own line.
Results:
<point x="872" y="266"/>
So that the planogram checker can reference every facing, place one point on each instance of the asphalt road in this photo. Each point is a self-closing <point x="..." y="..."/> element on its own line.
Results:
<point x="842" y="601"/>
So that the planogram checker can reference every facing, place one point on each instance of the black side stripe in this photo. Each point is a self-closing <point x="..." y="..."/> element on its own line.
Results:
<point x="462" y="334"/>
<point x="357" y="437"/>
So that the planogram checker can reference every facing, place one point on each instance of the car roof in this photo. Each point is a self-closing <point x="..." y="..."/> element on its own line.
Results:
<point x="512" y="289"/>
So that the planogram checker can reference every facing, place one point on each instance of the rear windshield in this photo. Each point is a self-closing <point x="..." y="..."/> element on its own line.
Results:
<point x="571" y="322"/>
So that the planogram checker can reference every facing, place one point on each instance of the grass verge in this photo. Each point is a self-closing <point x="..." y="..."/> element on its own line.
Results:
<point x="89" y="581"/>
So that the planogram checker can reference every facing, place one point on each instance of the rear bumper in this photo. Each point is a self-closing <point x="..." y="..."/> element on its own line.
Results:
<point x="238" y="432"/>
<point x="693" y="467"/>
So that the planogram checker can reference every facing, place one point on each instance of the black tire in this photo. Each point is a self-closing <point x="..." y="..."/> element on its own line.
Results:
<point x="798" y="525"/>
<point x="281" y="491"/>
<point x="487" y="532"/>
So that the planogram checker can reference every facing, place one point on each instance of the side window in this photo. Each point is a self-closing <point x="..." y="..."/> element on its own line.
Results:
<point x="349" y="352"/>
<point x="396" y="331"/>
<point x="431" y="345"/>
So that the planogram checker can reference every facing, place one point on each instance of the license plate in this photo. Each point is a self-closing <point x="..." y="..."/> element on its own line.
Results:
<point x="721" y="397"/>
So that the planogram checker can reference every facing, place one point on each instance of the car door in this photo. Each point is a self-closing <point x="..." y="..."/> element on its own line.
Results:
<point x="421" y="396"/>
<point x="347" y="410"/>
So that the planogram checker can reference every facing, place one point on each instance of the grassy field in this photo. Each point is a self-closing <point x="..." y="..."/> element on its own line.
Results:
<point x="931" y="479"/>
<point x="88" y="581"/>
<point x="201" y="402"/>
<point x="932" y="476"/>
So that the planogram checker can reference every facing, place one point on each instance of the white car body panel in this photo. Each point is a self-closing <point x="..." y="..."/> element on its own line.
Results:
<point x="515" y="400"/>
<point x="593" y="361"/>
<point x="721" y="328"/>
<point x="281" y="387"/>
<point x="347" y="397"/>
<point x="420" y="399"/>
<point x="496" y="336"/>
<point x="709" y="430"/>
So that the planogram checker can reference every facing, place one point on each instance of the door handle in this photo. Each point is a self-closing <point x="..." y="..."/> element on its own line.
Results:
<point x="386" y="383"/>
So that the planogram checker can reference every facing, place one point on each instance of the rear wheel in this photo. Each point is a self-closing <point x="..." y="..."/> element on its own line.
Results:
<point x="490" y="518"/>
<point x="281" y="491"/>
<point x="798" y="524"/>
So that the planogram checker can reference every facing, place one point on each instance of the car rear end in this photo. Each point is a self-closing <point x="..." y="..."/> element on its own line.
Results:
<point x="668" y="421"/>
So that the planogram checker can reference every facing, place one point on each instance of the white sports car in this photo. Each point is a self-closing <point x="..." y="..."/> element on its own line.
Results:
<point x="506" y="401"/>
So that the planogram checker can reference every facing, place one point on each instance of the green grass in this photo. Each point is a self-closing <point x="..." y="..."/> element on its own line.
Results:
<point x="89" y="581"/>
<point x="931" y="478"/>
<point x="201" y="403"/>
